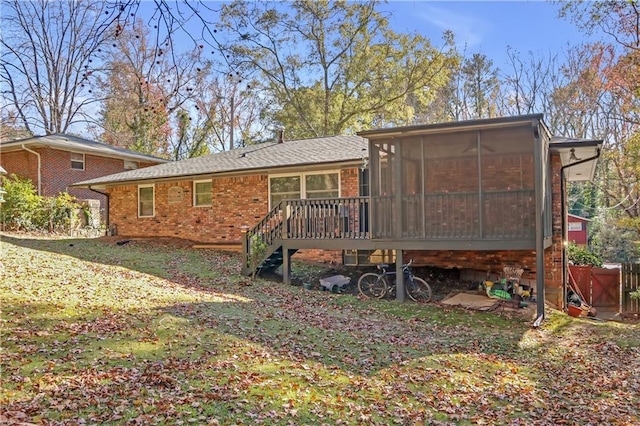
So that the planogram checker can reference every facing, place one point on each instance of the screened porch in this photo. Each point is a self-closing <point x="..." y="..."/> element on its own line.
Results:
<point x="459" y="184"/>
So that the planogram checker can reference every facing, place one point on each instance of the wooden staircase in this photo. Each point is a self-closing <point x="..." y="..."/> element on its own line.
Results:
<point x="302" y="220"/>
<point x="268" y="232"/>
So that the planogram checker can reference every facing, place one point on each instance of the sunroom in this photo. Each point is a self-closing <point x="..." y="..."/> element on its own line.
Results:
<point x="460" y="185"/>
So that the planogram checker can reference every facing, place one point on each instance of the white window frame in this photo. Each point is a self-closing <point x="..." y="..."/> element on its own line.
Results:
<point x="153" y="200"/>
<point x="303" y="182"/>
<point x="77" y="161"/>
<point x="195" y="182"/>
<point x="133" y="165"/>
<point x="575" y="227"/>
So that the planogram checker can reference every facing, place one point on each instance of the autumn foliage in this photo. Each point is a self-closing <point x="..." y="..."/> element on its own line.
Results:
<point x="158" y="333"/>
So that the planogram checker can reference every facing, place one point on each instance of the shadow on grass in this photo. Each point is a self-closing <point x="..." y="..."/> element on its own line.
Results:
<point x="340" y="330"/>
<point x="272" y="348"/>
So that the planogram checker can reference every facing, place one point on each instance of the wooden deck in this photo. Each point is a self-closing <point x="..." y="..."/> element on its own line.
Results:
<point x="346" y="223"/>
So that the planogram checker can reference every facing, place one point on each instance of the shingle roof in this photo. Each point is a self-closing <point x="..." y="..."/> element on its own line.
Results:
<point x="74" y="143"/>
<point x="333" y="149"/>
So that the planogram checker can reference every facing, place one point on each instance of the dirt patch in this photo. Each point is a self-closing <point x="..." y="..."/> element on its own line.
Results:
<point x="151" y="242"/>
<point x="442" y="281"/>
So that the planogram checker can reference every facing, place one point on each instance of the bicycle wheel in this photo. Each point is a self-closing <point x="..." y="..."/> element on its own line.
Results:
<point x="418" y="290"/>
<point x="373" y="285"/>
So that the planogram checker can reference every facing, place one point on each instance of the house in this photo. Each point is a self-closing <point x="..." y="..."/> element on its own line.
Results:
<point x="476" y="195"/>
<point x="211" y="199"/>
<point x="55" y="162"/>
<point x="577" y="227"/>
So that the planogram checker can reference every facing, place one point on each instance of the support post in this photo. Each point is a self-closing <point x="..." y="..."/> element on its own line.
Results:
<point x="540" y="162"/>
<point x="400" y="293"/>
<point x="245" y="251"/>
<point x="286" y="266"/>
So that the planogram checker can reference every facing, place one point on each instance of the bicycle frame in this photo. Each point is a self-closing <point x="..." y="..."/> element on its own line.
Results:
<point x="376" y="284"/>
<point x="406" y="269"/>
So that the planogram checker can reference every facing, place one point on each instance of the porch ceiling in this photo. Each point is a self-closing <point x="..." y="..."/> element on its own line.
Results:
<point x="579" y="157"/>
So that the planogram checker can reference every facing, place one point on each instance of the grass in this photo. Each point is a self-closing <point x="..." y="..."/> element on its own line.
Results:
<point x="158" y="333"/>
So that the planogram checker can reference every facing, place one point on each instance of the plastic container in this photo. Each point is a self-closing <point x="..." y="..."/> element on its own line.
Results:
<point x="574" y="311"/>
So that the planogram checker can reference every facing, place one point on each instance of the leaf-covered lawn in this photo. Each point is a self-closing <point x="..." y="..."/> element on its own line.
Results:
<point x="155" y="333"/>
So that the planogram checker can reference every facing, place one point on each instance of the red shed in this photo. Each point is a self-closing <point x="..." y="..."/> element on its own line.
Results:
<point x="577" y="227"/>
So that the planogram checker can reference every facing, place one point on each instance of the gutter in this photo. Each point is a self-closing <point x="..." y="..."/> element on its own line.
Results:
<point x="106" y="216"/>
<point x="39" y="167"/>
<point x="564" y="222"/>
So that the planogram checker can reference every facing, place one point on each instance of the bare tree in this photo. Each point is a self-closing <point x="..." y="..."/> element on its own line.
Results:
<point x="529" y="82"/>
<point x="50" y="49"/>
<point x="225" y="115"/>
<point x="143" y="85"/>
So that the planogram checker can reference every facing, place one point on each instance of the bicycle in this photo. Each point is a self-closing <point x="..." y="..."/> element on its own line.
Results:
<point x="376" y="285"/>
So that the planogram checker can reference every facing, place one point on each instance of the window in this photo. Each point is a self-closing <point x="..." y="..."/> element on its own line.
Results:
<point x="306" y="185"/>
<point x="322" y="186"/>
<point x="575" y="226"/>
<point x="202" y="193"/>
<point x="146" y="201"/>
<point x="130" y="165"/>
<point x="283" y="188"/>
<point x="77" y="161"/>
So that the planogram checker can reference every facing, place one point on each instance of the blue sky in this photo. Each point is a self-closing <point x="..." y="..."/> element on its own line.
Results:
<point x="489" y="27"/>
<point x="486" y="27"/>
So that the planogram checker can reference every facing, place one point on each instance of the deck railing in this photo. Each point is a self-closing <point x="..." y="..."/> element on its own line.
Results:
<point x="269" y="228"/>
<point x="504" y="215"/>
<point x="326" y="218"/>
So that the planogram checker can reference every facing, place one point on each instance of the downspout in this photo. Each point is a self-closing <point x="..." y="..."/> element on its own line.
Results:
<point x="39" y="168"/>
<point x="106" y="216"/>
<point x="564" y="223"/>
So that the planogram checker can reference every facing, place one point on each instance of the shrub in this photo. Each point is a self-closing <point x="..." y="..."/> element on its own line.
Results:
<point x="59" y="212"/>
<point x="580" y="255"/>
<point x="257" y="252"/>
<point x="25" y="210"/>
<point x="22" y="202"/>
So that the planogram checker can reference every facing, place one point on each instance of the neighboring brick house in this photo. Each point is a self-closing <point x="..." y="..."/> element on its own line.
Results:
<point x="472" y="195"/>
<point x="578" y="229"/>
<point x="54" y="162"/>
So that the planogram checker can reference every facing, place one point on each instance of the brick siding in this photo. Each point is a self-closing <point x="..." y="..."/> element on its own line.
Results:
<point x="57" y="173"/>
<point x="238" y="202"/>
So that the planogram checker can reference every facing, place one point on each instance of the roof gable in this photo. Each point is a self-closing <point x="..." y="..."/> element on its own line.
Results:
<point x="577" y="218"/>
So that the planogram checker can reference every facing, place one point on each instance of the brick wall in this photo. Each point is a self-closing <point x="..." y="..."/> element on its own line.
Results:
<point x="21" y="163"/>
<point x="349" y="182"/>
<point x="553" y="255"/>
<point x="237" y="202"/>
<point x="482" y="260"/>
<point x="57" y="173"/>
<point x="495" y="260"/>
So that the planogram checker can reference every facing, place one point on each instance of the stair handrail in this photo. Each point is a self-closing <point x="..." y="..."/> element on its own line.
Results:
<point x="267" y="230"/>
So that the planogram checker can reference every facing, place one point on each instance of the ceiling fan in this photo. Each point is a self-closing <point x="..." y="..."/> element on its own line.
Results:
<point x="474" y="146"/>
